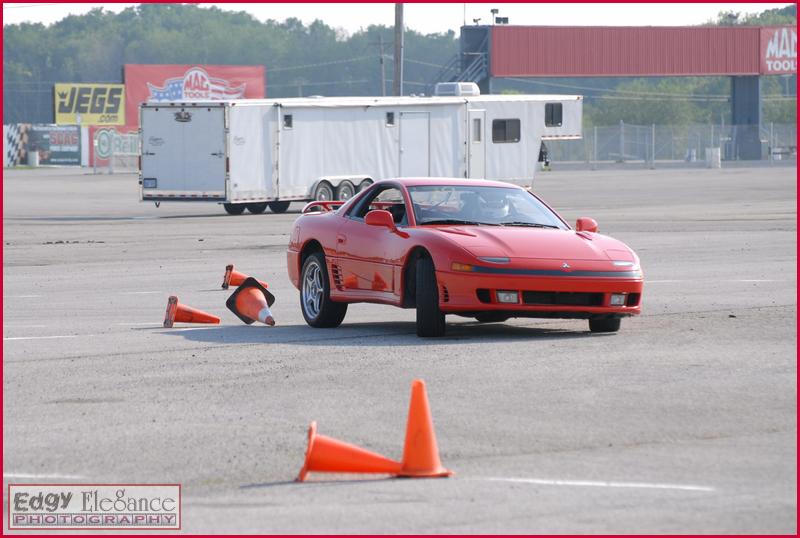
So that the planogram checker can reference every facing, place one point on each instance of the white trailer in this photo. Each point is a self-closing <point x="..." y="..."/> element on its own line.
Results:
<point x="256" y="153"/>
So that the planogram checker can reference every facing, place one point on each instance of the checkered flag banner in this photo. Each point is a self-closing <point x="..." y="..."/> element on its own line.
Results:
<point x="16" y="143"/>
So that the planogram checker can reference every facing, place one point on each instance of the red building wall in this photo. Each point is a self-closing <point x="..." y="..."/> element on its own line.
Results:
<point x="550" y="51"/>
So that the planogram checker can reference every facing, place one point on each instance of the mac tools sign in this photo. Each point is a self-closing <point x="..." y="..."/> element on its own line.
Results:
<point x="190" y="83"/>
<point x="779" y="51"/>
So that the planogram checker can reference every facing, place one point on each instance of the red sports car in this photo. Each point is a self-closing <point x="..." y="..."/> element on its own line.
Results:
<point x="481" y="249"/>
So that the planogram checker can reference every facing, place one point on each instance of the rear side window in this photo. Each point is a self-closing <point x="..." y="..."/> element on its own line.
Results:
<point x="552" y="114"/>
<point x="504" y="131"/>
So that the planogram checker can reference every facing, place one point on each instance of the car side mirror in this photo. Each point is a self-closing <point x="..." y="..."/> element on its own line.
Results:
<point x="585" y="224"/>
<point x="380" y="217"/>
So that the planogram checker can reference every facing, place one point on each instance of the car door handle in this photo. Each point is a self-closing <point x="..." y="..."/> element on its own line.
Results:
<point x="218" y="154"/>
<point x="341" y="239"/>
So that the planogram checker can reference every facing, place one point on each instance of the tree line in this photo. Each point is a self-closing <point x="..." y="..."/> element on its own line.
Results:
<point x="316" y="59"/>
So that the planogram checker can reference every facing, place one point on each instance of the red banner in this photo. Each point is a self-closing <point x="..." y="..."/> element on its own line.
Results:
<point x="189" y="83"/>
<point x="779" y="50"/>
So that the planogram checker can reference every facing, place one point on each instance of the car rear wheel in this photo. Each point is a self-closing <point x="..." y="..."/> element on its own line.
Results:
<point x="234" y="209"/>
<point x="490" y="317"/>
<point x="430" y="320"/>
<point x="604" y="325"/>
<point x="345" y="191"/>
<point x="279" y="207"/>
<point x="257" y="208"/>
<point x="315" y="294"/>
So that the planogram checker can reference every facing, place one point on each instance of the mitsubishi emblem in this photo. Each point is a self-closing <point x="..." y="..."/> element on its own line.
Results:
<point x="565" y="265"/>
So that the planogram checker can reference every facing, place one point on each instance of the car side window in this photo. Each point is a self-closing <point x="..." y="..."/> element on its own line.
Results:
<point x="388" y="198"/>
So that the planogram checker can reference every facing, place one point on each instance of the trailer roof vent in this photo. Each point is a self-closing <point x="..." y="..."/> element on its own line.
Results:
<point x="457" y="88"/>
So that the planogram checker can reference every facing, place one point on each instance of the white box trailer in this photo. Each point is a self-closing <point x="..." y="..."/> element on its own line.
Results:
<point x="258" y="152"/>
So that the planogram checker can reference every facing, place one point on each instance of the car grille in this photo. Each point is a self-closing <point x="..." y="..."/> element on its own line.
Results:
<point x="562" y="298"/>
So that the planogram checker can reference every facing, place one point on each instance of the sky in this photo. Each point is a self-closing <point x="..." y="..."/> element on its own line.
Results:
<point x="433" y="18"/>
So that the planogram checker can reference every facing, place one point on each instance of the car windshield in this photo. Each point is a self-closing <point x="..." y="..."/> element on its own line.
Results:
<point x="490" y="206"/>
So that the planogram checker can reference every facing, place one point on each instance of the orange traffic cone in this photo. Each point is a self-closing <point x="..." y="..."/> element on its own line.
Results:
<point x="185" y="314"/>
<point x="251" y="302"/>
<point x="327" y="455"/>
<point x="235" y="278"/>
<point x="421" y="454"/>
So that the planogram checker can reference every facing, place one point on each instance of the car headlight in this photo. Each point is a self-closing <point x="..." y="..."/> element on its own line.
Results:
<point x="494" y="259"/>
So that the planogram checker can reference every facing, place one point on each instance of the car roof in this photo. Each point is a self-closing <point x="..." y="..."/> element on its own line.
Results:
<point x="447" y="181"/>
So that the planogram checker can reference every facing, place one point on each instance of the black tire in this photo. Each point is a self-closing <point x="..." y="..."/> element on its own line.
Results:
<point x="279" y="207"/>
<point x="234" y="209"/>
<point x="324" y="191"/>
<point x="257" y="208"/>
<point x="345" y="191"/>
<point x="318" y="309"/>
<point x="430" y="320"/>
<point x="491" y="317"/>
<point x="604" y="325"/>
<point x="364" y="185"/>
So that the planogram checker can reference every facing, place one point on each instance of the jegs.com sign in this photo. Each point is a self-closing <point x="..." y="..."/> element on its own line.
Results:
<point x="779" y="50"/>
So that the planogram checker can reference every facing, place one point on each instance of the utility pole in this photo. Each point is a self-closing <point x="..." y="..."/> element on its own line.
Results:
<point x="382" y="46"/>
<point x="397" y="83"/>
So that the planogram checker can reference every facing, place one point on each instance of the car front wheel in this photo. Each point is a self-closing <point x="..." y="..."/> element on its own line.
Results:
<point x="315" y="294"/>
<point x="430" y="320"/>
<point x="604" y="325"/>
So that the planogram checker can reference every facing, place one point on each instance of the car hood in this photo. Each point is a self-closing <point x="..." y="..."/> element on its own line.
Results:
<point x="536" y="243"/>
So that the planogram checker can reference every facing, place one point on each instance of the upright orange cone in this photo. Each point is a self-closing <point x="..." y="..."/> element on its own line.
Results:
<point x="327" y="455"/>
<point x="251" y="302"/>
<point x="185" y="314"/>
<point x="235" y="278"/>
<point x="421" y="454"/>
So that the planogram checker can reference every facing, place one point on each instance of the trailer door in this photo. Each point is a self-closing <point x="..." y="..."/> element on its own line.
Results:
<point x="414" y="144"/>
<point x="183" y="152"/>
<point x="477" y="144"/>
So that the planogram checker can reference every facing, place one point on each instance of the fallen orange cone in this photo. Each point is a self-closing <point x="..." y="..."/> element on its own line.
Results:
<point x="185" y="314"/>
<point x="235" y="278"/>
<point x="251" y="301"/>
<point x="327" y="455"/>
<point x="421" y="453"/>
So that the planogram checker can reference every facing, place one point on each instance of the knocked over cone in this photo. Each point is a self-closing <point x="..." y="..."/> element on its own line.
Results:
<point x="235" y="278"/>
<point x="251" y="301"/>
<point x="185" y="314"/>
<point x="328" y="455"/>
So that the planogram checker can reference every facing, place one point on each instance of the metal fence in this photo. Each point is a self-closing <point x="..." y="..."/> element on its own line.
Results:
<point x="670" y="143"/>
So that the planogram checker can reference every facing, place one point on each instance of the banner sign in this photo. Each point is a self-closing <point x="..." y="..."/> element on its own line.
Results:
<point x="190" y="83"/>
<point x="111" y="141"/>
<point x="56" y="144"/>
<point x="779" y="50"/>
<point x="89" y="104"/>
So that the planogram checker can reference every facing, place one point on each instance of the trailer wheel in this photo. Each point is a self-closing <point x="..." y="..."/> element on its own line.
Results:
<point x="364" y="185"/>
<point x="257" y="209"/>
<point x="279" y="207"/>
<point x="324" y="191"/>
<point x="234" y="209"/>
<point x="345" y="191"/>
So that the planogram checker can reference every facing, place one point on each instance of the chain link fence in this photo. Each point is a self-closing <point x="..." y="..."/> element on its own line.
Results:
<point x="677" y="143"/>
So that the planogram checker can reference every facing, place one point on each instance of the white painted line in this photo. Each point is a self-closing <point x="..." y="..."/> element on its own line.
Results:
<point x="47" y="337"/>
<point x="44" y="475"/>
<point x="25" y="326"/>
<point x="756" y="280"/>
<point x="139" y="292"/>
<point x="600" y="484"/>
<point x="21" y="296"/>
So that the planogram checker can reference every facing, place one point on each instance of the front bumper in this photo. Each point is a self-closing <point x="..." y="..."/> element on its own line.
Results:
<point x="540" y="296"/>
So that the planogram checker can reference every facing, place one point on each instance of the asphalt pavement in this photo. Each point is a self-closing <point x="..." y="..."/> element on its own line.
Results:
<point x="684" y="421"/>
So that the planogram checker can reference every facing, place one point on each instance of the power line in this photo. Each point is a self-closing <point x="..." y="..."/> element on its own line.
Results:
<point x="614" y="90"/>
<point x="322" y="64"/>
<point x="29" y="5"/>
